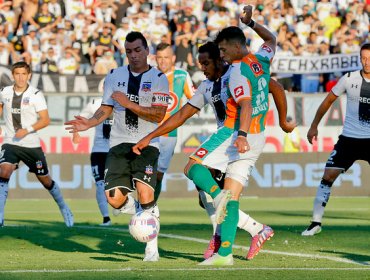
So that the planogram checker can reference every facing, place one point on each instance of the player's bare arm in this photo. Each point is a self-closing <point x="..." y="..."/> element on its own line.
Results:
<point x="278" y="93"/>
<point x="170" y="124"/>
<point x="321" y="111"/>
<point x="82" y="124"/>
<point x="151" y="114"/>
<point x="268" y="38"/>
<point x="241" y="142"/>
<point x="43" y="121"/>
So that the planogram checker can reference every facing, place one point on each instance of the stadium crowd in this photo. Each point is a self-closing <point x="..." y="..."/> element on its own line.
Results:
<point x="87" y="36"/>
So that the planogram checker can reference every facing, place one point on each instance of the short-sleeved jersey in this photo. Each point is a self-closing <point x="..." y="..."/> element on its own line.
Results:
<point x="102" y="130"/>
<point x="214" y="93"/>
<point x="147" y="89"/>
<point x="357" y="120"/>
<point x="180" y="83"/>
<point x="21" y="111"/>
<point x="249" y="78"/>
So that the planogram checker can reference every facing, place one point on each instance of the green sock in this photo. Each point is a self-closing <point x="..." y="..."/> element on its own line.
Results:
<point x="201" y="177"/>
<point x="228" y="228"/>
<point x="157" y="190"/>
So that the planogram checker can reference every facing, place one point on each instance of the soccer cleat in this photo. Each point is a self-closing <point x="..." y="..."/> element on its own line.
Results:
<point x="67" y="216"/>
<point x="220" y="202"/>
<point x="105" y="223"/>
<point x="258" y="240"/>
<point x="151" y="256"/>
<point x="218" y="260"/>
<point x="129" y="208"/>
<point x="213" y="246"/>
<point x="314" y="228"/>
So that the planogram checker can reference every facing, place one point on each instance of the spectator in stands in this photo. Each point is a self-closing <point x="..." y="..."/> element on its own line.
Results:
<point x="331" y="23"/>
<point x="30" y="39"/>
<point x="68" y="64"/>
<point x="36" y="57"/>
<point x="310" y="81"/>
<point x="55" y="8"/>
<point x="286" y="79"/>
<point x="187" y="16"/>
<point x="85" y="52"/>
<point x="4" y="53"/>
<point x="104" y="64"/>
<point x="73" y="7"/>
<point x="104" y="10"/>
<point x="44" y="19"/>
<point x="10" y="17"/>
<point x="49" y="62"/>
<point x="183" y="53"/>
<point x="157" y="30"/>
<point x="323" y="9"/>
<point x="121" y="11"/>
<point x="119" y="39"/>
<point x="217" y="21"/>
<point x="334" y="78"/>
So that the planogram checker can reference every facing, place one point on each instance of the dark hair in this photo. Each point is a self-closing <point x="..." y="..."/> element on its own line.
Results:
<point x="212" y="50"/>
<point x="134" y="35"/>
<point x="231" y="33"/>
<point x="365" y="46"/>
<point x="162" y="46"/>
<point x="21" y="64"/>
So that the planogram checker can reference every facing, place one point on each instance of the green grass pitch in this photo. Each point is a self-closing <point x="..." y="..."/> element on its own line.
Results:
<point x="35" y="244"/>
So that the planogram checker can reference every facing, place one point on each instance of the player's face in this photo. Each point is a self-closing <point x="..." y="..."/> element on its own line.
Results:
<point x="365" y="61"/>
<point x="230" y="51"/>
<point x="208" y="66"/>
<point x="165" y="59"/>
<point x="137" y="55"/>
<point x="21" y="78"/>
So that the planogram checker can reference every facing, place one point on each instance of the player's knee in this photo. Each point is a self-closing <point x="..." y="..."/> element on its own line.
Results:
<point x="243" y="180"/>
<point x="6" y="170"/>
<point x="188" y="166"/>
<point x="116" y="197"/>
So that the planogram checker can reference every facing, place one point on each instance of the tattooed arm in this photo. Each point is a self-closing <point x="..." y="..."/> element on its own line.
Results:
<point x="81" y="123"/>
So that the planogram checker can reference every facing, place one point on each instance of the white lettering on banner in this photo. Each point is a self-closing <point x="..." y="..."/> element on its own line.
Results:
<point x="316" y="64"/>
<point x="272" y="175"/>
<point x="47" y="82"/>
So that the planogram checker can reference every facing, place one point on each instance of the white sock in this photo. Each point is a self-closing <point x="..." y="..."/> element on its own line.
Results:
<point x="101" y="198"/>
<point x="321" y="199"/>
<point x="4" y="186"/>
<point x="57" y="195"/>
<point x="247" y="223"/>
<point x="210" y="209"/>
<point x="153" y="244"/>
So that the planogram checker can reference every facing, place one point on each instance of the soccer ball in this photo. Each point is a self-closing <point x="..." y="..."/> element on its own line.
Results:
<point x="144" y="226"/>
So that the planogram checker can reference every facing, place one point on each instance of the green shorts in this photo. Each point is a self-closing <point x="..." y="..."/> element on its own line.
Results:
<point x="123" y="167"/>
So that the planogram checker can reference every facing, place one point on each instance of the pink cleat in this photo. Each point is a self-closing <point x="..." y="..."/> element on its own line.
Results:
<point x="258" y="240"/>
<point x="213" y="246"/>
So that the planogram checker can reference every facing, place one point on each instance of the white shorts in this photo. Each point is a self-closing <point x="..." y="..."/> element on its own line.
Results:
<point x="218" y="151"/>
<point x="166" y="148"/>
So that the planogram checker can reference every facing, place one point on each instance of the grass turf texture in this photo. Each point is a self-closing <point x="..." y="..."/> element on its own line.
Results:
<point x="35" y="244"/>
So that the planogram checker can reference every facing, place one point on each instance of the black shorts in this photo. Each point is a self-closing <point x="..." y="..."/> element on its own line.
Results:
<point x="346" y="151"/>
<point x="34" y="158"/>
<point x="124" y="167"/>
<point x="98" y="165"/>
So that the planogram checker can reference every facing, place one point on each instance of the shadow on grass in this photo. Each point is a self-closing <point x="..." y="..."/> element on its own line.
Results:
<point x="117" y="244"/>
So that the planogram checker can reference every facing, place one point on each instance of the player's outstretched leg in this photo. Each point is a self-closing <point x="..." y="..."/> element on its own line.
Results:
<point x="258" y="240"/>
<point x="101" y="199"/>
<point x="321" y="199"/>
<point x="63" y="207"/>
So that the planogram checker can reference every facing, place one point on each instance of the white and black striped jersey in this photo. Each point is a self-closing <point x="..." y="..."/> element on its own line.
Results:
<point x="357" y="120"/>
<point x="102" y="130"/>
<point x="214" y="93"/>
<point x="21" y="111"/>
<point x="147" y="89"/>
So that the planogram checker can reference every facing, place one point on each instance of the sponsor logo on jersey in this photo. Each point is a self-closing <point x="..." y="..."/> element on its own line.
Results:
<point x="267" y="48"/>
<point x="256" y="67"/>
<point x="238" y="91"/>
<point x="121" y="84"/>
<point x="172" y="101"/>
<point x="146" y="86"/>
<point x="26" y="101"/>
<point x="201" y="152"/>
<point x="147" y="178"/>
<point x="16" y="110"/>
<point x="39" y="164"/>
<point x="149" y="170"/>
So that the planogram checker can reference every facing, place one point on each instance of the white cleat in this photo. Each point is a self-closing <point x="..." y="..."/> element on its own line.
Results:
<point x="217" y="260"/>
<point x="106" y="224"/>
<point x="220" y="202"/>
<point x="129" y="208"/>
<point x="151" y="256"/>
<point x="314" y="228"/>
<point x="67" y="216"/>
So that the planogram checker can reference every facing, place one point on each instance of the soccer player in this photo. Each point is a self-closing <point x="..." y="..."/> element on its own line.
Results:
<point x="353" y="143"/>
<point x="213" y="91"/>
<point x="137" y="95"/>
<point x="98" y="155"/>
<point x="25" y="112"/>
<point x="241" y="140"/>
<point x="179" y="84"/>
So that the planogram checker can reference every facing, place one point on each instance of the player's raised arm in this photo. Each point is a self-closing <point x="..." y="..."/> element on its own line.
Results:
<point x="268" y="38"/>
<point x="81" y="123"/>
<point x="170" y="124"/>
